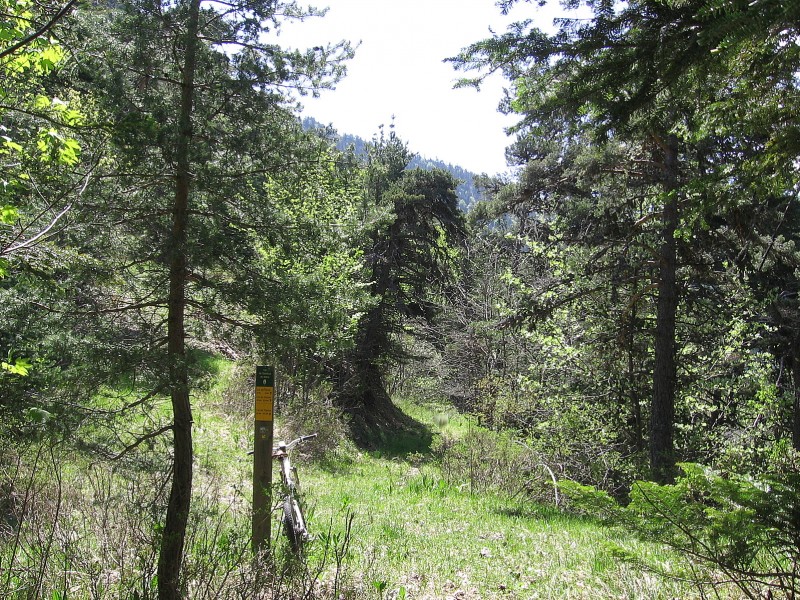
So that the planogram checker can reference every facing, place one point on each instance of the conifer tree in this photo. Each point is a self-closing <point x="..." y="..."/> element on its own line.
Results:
<point x="650" y="74"/>
<point x="415" y="224"/>
<point x="203" y="139"/>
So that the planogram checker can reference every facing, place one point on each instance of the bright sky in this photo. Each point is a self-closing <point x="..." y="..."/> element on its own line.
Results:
<point x="398" y="70"/>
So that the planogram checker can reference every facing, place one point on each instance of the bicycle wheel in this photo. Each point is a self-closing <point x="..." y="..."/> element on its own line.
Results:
<point x="294" y="525"/>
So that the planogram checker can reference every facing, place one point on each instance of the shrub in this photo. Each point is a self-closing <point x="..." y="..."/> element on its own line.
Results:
<point x="731" y="529"/>
<point x="484" y="460"/>
<point x="315" y="413"/>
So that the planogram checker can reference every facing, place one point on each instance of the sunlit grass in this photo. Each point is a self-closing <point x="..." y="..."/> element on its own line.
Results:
<point x="415" y="533"/>
<point x="418" y="535"/>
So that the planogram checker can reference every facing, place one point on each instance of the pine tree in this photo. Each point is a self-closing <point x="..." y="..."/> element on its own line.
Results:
<point x="651" y="75"/>
<point x="202" y="140"/>
<point x="414" y="223"/>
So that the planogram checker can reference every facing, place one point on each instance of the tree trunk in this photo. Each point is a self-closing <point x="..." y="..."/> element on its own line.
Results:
<point x="633" y="388"/>
<point x="373" y="415"/>
<point x="662" y="415"/>
<point x="174" y="533"/>
<point x="796" y="385"/>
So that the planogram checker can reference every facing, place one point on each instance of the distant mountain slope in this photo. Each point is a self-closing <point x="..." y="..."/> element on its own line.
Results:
<point x="468" y="193"/>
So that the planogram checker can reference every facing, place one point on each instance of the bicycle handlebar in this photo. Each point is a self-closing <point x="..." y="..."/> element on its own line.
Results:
<point x="303" y="438"/>
<point x="283" y="446"/>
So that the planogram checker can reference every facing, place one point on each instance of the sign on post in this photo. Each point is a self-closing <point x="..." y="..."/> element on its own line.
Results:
<point x="262" y="456"/>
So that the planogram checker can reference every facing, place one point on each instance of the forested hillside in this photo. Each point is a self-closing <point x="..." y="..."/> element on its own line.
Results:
<point x="587" y="385"/>
<point x="467" y="189"/>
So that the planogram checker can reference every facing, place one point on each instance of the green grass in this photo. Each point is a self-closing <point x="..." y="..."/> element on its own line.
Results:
<point x="416" y="534"/>
<point x="414" y="531"/>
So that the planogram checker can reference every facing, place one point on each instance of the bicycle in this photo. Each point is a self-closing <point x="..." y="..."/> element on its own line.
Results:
<point x="294" y="523"/>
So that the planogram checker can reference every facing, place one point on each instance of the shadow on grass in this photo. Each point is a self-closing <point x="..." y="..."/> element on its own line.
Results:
<point x="203" y="362"/>
<point x="396" y="437"/>
<point x="533" y="511"/>
<point x="388" y="432"/>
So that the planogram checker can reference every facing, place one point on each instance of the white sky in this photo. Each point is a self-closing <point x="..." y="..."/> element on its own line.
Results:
<point x="398" y="70"/>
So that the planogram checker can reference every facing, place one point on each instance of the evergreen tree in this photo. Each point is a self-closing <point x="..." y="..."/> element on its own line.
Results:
<point x="414" y="225"/>
<point x="641" y="75"/>
<point x="203" y="146"/>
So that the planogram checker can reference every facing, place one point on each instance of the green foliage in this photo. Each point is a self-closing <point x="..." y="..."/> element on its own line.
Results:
<point x="573" y="342"/>
<point x="29" y="55"/>
<point x="589" y="501"/>
<point x="27" y="62"/>
<point x="16" y="366"/>
<point x="729" y="529"/>
<point x="541" y="326"/>
<point x="412" y="229"/>
<point x="39" y="151"/>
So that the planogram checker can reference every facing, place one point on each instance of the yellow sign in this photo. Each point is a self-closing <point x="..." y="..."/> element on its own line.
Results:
<point x="264" y="403"/>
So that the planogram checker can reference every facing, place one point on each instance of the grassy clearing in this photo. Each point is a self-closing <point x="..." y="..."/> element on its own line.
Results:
<point x="418" y="531"/>
<point x="417" y="536"/>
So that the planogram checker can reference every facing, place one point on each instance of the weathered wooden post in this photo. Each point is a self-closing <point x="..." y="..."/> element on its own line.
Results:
<point x="262" y="457"/>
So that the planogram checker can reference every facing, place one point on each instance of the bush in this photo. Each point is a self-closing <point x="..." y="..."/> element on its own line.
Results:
<point x="748" y="529"/>
<point x="730" y="529"/>
<point x="316" y="414"/>
<point x="484" y="460"/>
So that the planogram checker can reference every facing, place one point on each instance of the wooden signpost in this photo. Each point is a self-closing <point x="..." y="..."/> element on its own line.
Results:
<point x="262" y="456"/>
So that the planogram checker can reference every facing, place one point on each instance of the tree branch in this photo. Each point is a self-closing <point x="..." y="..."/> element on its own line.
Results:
<point x="139" y="441"/>
<point x="41" y="31"/>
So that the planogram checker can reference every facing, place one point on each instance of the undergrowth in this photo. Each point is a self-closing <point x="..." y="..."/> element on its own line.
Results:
<point x="472" y="515"/>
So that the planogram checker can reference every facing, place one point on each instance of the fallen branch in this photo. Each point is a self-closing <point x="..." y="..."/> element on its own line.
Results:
<point x="549" y="470"/>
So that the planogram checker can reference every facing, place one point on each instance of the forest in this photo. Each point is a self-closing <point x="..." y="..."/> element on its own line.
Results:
<point x="466" y="189"/>
<point x="584" y="385"/>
